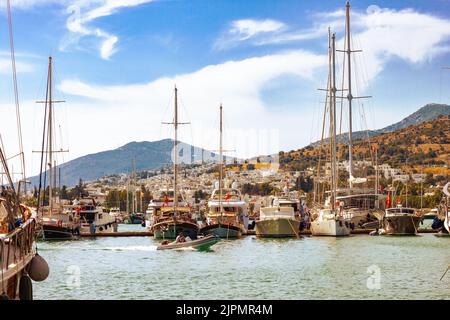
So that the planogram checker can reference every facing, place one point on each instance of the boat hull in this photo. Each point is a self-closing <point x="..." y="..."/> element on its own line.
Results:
<point x="200" y="244"/>
<point x="332" y="228"/>
<point x="401" y="225"/>
<point x="222" y="230"/>
<point x="277" y="228"/>
<point x="171" y="229"/>
<point x="51" y="232"/>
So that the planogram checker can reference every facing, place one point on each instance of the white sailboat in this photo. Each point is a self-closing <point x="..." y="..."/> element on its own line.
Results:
<point x="330" y="220"/>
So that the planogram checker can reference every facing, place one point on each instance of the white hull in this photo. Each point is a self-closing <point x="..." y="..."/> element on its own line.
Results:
<point x="329" y="228"/>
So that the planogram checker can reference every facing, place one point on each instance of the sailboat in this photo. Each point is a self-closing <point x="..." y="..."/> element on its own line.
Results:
<point x="57" y="223"/>
<point x="224" y="218"/>
<point x="330" y="219"/>
<point x="19" y="261"/>
<point x="362" y="204"/>
<point x="172" y="221"/>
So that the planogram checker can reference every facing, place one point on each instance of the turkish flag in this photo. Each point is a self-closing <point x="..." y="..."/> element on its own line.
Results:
<point x="388" y="201"/>
<point x="227" y="196"/>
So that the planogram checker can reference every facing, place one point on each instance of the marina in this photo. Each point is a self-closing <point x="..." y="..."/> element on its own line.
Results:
<point x="353" y="213"/>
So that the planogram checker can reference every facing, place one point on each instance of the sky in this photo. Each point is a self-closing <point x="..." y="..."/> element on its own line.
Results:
<point x="116" y="64"/>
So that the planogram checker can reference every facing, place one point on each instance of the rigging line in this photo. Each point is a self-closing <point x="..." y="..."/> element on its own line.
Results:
<point x="16" y="96"/>
<point x="42" y="149"/>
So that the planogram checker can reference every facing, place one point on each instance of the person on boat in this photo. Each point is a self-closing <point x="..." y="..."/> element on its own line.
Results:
<point x="180" y="238"/>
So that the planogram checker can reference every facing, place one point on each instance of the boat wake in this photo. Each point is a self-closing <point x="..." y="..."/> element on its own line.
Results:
<point x="131" y="248"/>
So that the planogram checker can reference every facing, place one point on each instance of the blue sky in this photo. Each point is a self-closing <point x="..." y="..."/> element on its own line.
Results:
<point x="116" y="63"/>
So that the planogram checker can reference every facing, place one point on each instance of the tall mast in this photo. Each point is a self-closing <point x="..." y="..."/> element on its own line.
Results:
<point x="49" y="137"/>
<point x="49" y="102"/>
<point x="220" y="164"/>
<point x="175" y="156"/>
<point x="333" y="119"/>
<point x="175" y="124"/>
<point x="349" y="96"/>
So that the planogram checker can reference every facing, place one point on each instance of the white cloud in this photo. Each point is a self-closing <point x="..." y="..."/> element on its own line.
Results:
<point x="382" y="33"/>
<point x="22" y="67"/>
<point x="82" y="13"/>
<point x="245" y="29"/>
<point x="135" y="112"/>
<point x="28" y="4"/>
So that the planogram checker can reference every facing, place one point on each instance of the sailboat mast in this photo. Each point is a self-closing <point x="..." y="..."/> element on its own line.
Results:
<point x="349" y="96"/>
<point x="175" y="155"/>
<point x="333" y="115"/>
<point x="49" y="137"/>
<point x="220" y="164"/>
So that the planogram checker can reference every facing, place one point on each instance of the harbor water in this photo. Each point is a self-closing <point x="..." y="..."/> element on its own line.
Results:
<point x="356" y="267"/>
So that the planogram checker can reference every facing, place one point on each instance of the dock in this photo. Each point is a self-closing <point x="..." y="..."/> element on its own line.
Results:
<point x="249" y="233"/>
<point x="118" y="234"/>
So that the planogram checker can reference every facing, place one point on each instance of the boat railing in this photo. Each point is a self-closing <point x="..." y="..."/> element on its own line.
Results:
<point x="16" y="245"/>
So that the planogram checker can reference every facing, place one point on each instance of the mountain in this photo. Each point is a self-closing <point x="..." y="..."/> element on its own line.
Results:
<point x="423" y="144"/>
<point x="148" y="155"/>
<point x="428" y="112"/>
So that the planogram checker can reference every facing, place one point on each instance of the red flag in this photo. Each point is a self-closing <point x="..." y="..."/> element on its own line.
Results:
<point x="166" y="200"/>
<point x="227" y="196"/>
<point x="398" y="200"/>
<point x="388" y="201"/>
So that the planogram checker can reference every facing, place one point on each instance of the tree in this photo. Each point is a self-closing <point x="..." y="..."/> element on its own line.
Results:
<point x="64" y="195"/>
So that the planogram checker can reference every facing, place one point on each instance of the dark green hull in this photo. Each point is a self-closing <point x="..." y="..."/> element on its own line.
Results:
<point x="222" y="231"/>
<point x="170" y="230"/>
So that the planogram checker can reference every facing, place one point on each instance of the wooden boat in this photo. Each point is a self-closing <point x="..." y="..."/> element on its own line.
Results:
<point x="57" y="224"/>
<point x="171" y="222"/>
<point x="203" y="243"/>
<point x="19" y="261"/>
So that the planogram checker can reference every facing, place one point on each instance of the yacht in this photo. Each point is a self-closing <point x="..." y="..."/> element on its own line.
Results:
<point x="400" y="221"/>
<point x="279" y="220"/>
<point x="227" y="218"/>
<point x="92" y="218"/>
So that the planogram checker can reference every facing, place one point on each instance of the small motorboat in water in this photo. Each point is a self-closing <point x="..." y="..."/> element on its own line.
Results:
<point x="203" y="243"/>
